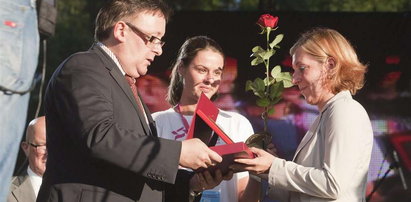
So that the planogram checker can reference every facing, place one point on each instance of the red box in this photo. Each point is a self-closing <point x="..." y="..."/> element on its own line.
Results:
<point x="203" y="126"/>
<point x="229" y="152"/>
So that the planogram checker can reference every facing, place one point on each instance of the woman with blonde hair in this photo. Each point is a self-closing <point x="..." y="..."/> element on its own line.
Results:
<point x="331" y="162"/>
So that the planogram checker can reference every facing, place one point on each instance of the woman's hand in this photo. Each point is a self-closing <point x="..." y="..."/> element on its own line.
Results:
<point x="271" y="149"/>
<point x="205" y="180"/>
<point x="259" y="165"/>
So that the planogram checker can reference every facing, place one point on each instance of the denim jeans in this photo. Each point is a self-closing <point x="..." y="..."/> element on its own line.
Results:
<point x="19" y="50"/>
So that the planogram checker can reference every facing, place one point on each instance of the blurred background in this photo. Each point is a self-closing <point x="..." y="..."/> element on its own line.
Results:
<point x="380" y="30"/>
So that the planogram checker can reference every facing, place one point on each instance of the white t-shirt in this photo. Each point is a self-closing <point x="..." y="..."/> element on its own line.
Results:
<point x="237" y="127"/>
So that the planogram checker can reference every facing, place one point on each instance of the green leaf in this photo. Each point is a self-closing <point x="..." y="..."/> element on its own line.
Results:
<point x="275" y="101"/>
<point x="276" y="90"/>
<point x="257" y="49"/>
<point x="266" y="55"/>
<point x="269" y="81"/>
<point x="259" y="84"/>
<point x="259" y="52"/>
<point x="276" y="71"/>
<point x="288" y="83"/>
<point x="277" y="40"/>
<point x="263" y="102"/>
<point x="248" y="85"/>
<point x="259" y="94"/>
<point x="286" y="78"/>
<point x="256" y="61"/>
<point x="271" y="110"/>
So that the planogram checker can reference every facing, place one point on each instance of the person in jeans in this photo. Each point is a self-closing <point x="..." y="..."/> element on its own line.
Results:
<point x="19" y="49"/>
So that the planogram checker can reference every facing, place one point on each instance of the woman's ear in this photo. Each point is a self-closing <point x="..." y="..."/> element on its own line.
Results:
<point x="180" y="69"/>
<point x="330" y="62"/>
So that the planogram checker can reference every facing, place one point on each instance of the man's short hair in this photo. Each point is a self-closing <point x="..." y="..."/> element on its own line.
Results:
<point x="117" y="10"/>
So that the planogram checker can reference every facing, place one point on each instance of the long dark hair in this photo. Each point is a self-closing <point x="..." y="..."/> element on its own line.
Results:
<point x="186" y="54"/>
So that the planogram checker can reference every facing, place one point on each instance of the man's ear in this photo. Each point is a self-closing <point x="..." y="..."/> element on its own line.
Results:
<point x="119" y="31"/>
<point x="25" y="146"/>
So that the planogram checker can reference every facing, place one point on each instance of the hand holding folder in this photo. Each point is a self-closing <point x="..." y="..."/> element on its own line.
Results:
<point x="203" y="126"/>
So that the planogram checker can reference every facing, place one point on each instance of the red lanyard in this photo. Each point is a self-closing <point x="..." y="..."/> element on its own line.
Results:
<point x="183" y="119"/>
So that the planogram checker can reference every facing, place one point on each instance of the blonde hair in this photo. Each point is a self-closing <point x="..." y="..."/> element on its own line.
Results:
<point x="323" y="43"/>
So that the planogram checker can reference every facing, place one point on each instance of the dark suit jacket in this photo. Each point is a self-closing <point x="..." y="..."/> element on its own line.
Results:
<point x="99" y="146"/>
<point x="21" y="189"/>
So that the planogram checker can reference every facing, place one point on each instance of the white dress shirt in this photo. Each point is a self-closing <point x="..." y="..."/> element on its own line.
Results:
<point x="115" y="60"/>
<point x="35" y="180"/>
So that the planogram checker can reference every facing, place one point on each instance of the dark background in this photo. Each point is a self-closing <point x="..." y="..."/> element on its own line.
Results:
<point x="374" y="35"/>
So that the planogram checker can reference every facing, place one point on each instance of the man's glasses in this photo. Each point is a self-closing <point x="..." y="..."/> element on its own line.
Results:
<point x="39" y="148"/>
<point x="149" y="39"/>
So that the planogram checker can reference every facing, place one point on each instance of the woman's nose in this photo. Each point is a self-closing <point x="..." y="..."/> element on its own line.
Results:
<point x="295" y="78"/>
<point x="209" y="79"/>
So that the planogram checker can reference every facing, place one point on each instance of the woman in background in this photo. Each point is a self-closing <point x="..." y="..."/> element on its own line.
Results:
<point x="198" y="69"/>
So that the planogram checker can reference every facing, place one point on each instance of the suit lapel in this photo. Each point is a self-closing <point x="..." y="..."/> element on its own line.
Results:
<point x="24" y="190"/>
<point x="310" y="134"/>
<point x="121" y="81"/>
<point x="316" y="125"/>
<point x="151" y="122"/>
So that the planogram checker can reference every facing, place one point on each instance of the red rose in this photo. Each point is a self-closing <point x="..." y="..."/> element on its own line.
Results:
<point x="268" y="20"/>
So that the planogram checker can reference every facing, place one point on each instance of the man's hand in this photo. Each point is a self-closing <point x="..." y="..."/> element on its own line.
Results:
<point x="258" y="165"/>
<point x="195" y="154"/>
<point x="204" y="180"/>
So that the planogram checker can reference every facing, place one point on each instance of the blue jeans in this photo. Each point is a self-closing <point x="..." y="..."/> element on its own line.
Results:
<point x="19" y="50"/>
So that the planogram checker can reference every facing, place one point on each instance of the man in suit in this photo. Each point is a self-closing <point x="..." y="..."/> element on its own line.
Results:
<point x="101" y="138"/>
<point x="25" y="187"/>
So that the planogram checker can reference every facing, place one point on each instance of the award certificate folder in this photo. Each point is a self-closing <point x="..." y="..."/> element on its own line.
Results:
<point x="229" y="152"/>
<point x="203" y="126"/>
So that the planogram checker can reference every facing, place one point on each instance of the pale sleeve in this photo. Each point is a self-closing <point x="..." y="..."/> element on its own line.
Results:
<point x="273" y="191"/>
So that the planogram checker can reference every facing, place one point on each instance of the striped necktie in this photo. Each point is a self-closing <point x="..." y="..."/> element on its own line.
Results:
<point x="132" y="83"/>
